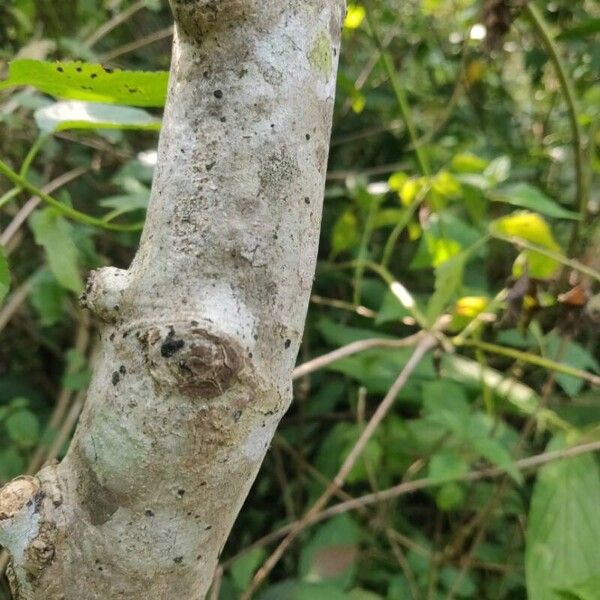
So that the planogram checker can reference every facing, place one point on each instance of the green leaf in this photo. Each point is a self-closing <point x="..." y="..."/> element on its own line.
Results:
<point x="75" y="114"/>
<point x="23" y="427"/>
<point x="330" y="556"/>
<point x="448" y="282"/>
<point x="391" y="309"/>
<point x="47" y="297"/>
<point x="532" y="228"/>
<point x="587" y="27"/>
<point x="493" y="450"/>
<point x="11" y="464"/>
<point x="564" y="526"/>
<point x="244" y="567"/>
<point x="4" y="274"/>
<point x="90" y="82"/>
<point x="587" y="590"/>
<point x="54" y="233"/>
<point x="345" y="233"/>
<point x="302" y="590"/>
<point x="447" y="466"/>
<point x="570" y="353"/>
<point x="528" y="196"/>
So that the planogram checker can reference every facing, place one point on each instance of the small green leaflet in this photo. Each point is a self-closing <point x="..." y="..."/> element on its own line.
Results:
<point x="90" y="82"/>
<point x="75" y="114"/>
<point x="54" y="233"/>
<point x="4" y="274"/>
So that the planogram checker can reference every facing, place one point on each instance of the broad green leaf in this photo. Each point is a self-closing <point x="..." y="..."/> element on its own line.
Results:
<point x="330" y="556"/>
<point x="345" y="232"/>
<point x="528" y="196"/>
<point x="391" y="309"/>
<point x="586" y="590"/>
<point x="4" y="274"/>
<point x="360" y="594"/>
<point x="449" y="496"/>
<point x="54" y="233"/>
<point x="244" y="567"/>
<point x="498" y="170"/>
<point x="75" y="114"/>
<point x="23" y="427"/>
<point x="90" y="82"/>
<point x="564" y="526"/>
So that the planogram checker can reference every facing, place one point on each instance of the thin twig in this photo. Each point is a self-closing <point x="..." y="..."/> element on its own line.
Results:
<point x="34" y="201"/>
<point x="421" y="350"/>
<point x="113" y="23"/>
<point x="161" y="34"/>
<point x="353" y="348"/>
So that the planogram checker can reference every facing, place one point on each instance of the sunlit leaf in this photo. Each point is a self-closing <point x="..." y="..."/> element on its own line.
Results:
<point x="75" y="114"/>
<point x="468" y="163"/>
<point x="345" y="232"/>
<point x="355" y="16"/>
<point x="90" y="82"/>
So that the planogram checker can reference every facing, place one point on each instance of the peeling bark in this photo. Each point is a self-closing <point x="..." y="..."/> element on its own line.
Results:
<point x="199" y="336"/>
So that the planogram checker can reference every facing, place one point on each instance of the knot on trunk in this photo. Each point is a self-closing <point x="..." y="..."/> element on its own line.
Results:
<point x="104" y="293"/>
<point x="197" y="361"/>
<point x="16" y="494"/>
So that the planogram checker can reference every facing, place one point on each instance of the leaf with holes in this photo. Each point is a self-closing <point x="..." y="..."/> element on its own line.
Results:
<point x="90" y="82"/>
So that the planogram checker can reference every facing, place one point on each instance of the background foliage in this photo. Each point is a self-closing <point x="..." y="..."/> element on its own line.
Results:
<point x="461" y="200"/>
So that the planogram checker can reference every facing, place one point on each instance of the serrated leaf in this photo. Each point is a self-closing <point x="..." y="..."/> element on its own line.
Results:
<point x="564" y="526"/>
<point x="23" y="427"/>
<point x="528" y="196"/>
<point x="75" y="114"/>
<point x="4" y="274"/>
<point x="54" y="233"/>
<point x="90" y="82"/>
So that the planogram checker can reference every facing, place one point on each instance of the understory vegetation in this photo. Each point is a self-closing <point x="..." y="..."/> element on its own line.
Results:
<point x="442" y="441"/>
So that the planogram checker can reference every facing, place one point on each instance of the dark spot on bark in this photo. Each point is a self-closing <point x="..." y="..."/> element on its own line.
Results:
<point x="208" y="527"/>
<point x="171" y="346"/>
<point x="237" y="416"/>
<point x="115" y="377"/>
<point x="307" y="200"/>
<point x="218" y="94"/>
<point x="111" y="337"/>
<point x="223" y="119"/>
<point x="149" y="513"/>
<point x="178" y="560"/>
<point x="288" y="343"/>
<point x="180" y="493"/>
<point x="307" y="137"/>
<point x="122" y="370"/>
<point x="209" y="167"/>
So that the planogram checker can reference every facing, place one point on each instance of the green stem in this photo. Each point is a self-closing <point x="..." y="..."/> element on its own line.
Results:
<point x="568" y="90"/>
<point x="67" y="211"/>
<point x="401" y="98"/>
<point x="362" y="252"/>
<point x="532" y="359"/>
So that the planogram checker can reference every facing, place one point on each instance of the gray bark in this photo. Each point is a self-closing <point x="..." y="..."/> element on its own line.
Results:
<point x="199" y="336"/>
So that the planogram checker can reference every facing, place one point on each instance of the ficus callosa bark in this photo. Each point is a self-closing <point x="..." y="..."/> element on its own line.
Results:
<point x="200" y="335"/>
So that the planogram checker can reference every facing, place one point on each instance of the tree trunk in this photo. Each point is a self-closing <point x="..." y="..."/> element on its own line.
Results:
<point x="199" y="336"/>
